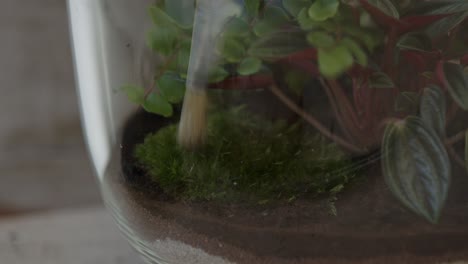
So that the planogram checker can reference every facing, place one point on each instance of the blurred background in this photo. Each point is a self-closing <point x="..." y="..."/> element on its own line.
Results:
<point x="43" y="164"/>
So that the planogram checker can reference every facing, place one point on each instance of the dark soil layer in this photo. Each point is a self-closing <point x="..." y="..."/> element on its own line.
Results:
<point x="370" y="227"/>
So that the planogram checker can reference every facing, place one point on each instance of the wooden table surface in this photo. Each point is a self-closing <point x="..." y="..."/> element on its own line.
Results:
<point x="43" y="161"/>
<point x="79" y="236"/>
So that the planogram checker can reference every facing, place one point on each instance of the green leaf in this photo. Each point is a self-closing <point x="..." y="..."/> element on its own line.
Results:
<point x="407" y="102"/>
<point x="182" y="11"/>
<point x="171" y="87"/>
<point x="322" y="10"/>
<point x="386" y="6"/>
<point x="232" y="49"/>
<point x="368" y="37"/>
<point x="445" y="25"/>
<point x="440" y="7"/>
<point x="218" y="74"/>
<point x="380" y="80"/>
<point x="236" y="27"/>
<point x="161" y="18"/>
<point x="249" y="66"/>
<point x="252" y="7"/>
<point x="296" y="81"/>
<point x="457" y="83"/>
<point x="182" y="62"/>
<point x="135" y="94"/>
<point x="416" y="167"/>
<point x="163" y="40"/>
<point x="306" y="23"/>
<point x="433" y="109"/>
<point x="295" y="6"/>
<point x="320" y="39"/>
<point x="278" y="45"/>
<point x="356" y="50"/>
<point x="334" y="61"/>
<point x="366" y="21"/>
<point x="415" y="41"/>
<point x="157" y="104"/>
<point x="274" y="17"/>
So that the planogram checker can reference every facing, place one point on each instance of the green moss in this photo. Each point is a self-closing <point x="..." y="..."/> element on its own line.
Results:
<point x="245" y="159"/>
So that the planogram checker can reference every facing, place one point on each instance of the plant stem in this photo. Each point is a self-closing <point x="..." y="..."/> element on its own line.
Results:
<point x="334" y="105"/>
<point x="455" y="156"/>
<point x="312" y="121"/>
<point x="161" y="71"/>
<point x="454" y="139"/>
<point x="388" y="59"/>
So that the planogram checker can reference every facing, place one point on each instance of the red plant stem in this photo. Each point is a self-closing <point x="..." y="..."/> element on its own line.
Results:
<point x="336" y="110"/>
<point x="454" y="139"/>
<point x="455" y="156"/>
<point x="307" y="54"/>
<point x="343" y="101"/>
<point x="389" y="54"/>
<point x="312" y="121"/>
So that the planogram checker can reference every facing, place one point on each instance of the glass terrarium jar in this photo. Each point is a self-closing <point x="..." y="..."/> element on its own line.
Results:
<point x="293" y="131"/>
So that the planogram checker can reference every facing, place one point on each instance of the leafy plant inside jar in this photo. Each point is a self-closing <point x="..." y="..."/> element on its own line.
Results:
<point x="394" y="73"/>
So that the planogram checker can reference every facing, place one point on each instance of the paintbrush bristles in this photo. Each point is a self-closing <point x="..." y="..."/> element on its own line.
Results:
<point x="192" y="126"/>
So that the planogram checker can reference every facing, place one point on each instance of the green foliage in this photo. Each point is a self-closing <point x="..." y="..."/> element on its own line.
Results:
<point x="457" y="83"/>
<point x="417" y="41"/>
<point x="322" y="10"/>
<point x="386" y="6"/>
<point x="334" y="61"/>
<point x="277" y="45"/>
<point x="231" y="49"/>
<point x="403" y="49"/>
<point x="218" y="74"/>
<point x="433" y="109"/>
<point x="171" y="87"/>
<point x="320" y="39"/>
<point x="246" y="159"/>
<point x="237" y="27"/>
<point x="273" y="18"/>
<point x="407" y="102"/>
<point x="380" y="80"/>
<point x="163" y="40"/>
<point x="136" y="94"/>
<point x="252" y="7"/>
<point x="157" y="104"/>
<point x="359" y="54"/>
<point x="297" y="81"/>
<point x="169" y="37"/>
<point x="416" y="167"/>
<point x="295" y="6"/>
<point x="249" y="66"/>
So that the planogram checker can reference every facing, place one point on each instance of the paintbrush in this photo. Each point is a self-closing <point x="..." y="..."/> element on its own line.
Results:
<point x="209" y="20"/>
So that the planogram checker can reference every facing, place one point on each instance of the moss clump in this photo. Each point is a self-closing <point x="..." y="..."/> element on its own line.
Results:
<point x="245" y="159"/>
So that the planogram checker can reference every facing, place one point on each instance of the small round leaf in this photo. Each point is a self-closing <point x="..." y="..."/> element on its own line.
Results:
<point x="157" y="104"/>
<point x="322" y="10"/>
<point x="249" y="66"/>
<point x="334" y="61"/>
<point x="171" y="87"/>
<point x="163" y="40"/>
<point x="135" y="94"/>
<point x="320" y="39"/>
